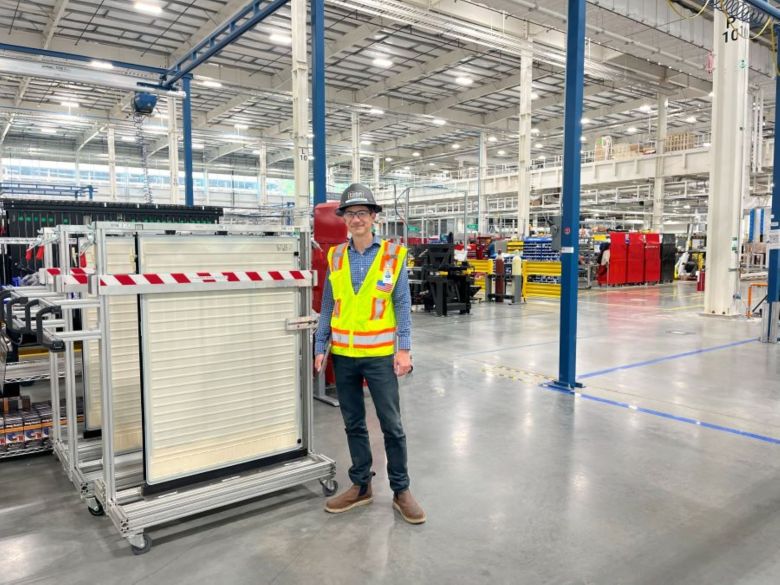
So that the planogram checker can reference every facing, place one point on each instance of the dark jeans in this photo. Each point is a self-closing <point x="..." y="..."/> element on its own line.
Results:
<point x="383" y="385"/>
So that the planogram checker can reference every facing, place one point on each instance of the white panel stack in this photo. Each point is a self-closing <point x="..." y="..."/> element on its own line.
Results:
<point x="126" y="380"/>
<point x="221" y="370"/>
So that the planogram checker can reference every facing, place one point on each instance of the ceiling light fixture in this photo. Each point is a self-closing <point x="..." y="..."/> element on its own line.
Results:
<point x="211" y="83"/>
<point x="365" y="142"/>
<point x="535" y="130"/>
<point x="691" y="119"/>
<point x="376" y="112"/>
<point x="148" y="8"/>
<point x="463" y="80"/>
<point x="439" y="121"/>
<point x="407" y="168"/>
<point x="240" y="126"/>
<point x="538" y="145"/>
<point x="47" y="130"/>
<point x="541" y="157"/>
<point x="455" y="146"/>
<point x="501" y="152"/>
<point x="631" y="130"/>
<point x="415" y="154"/>
<point x="585" y="121"/>
<point x="382" y="62"/>
<point x="127" y="139"/>
<point x="280" y="39"/>
<point x="389" y="159"/>
<point x="492" y="139"/>
<point x="101" y="64"/>
<point x="645" y="108"/>
<point x="534" y="95"/>
<point x="431" y="164"/>
<point x="69" y="104"/>
<point x="583" y="139"/>
<point x="706" y="145"/>
<point x="198" y="146"/>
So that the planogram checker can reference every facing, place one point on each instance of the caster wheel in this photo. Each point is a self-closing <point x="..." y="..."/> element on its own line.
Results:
<point x="97" y="510"/>
<point x="329" y="487"/>
<point x="140" y="550"/>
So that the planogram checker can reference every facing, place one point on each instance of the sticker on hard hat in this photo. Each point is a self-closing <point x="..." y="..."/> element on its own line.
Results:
<point x="355" y="200"/>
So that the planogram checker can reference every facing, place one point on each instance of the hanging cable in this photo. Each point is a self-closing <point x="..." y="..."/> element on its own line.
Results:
<point x="138" y="121"/>
<point x="681" y="15"/>
<point x="739" y="10"/>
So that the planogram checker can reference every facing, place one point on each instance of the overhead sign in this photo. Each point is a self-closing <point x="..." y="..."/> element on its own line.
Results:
<point x="413" y="228"/>
<point x="472" y="226"/>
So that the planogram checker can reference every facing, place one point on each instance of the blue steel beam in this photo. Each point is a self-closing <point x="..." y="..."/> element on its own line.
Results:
<point x="79" y="58"/>
<point x="570" y="226"/>
<point x="763" y="6"/>
<point x="186" y="114"/>
<point x="244" y="20"/>
<point x="318" y="99"/>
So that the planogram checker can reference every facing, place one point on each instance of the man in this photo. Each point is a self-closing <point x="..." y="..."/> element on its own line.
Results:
<point x="366" y="305"/>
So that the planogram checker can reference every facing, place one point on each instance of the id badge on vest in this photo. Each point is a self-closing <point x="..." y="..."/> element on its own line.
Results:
<point x="386" y="284"/>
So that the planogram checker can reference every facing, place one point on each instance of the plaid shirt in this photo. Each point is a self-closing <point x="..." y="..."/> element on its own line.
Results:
<point x="359" y="265"/>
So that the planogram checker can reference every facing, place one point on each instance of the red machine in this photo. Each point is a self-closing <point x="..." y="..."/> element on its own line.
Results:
<point x="618" y="258"/>
<point x="652" y="258"/>
<point x="329" y="231"/>
<point x="635" y="265"/>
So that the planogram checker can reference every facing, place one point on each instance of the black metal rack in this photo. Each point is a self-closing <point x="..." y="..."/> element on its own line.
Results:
<point x="22" y="218"/>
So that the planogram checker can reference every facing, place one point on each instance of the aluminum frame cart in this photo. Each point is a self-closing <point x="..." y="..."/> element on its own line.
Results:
<point x="136" y="509"/>
<point x="81" y="456"/>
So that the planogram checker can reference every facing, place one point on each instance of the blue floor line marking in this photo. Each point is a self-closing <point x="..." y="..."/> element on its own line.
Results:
<point x="510" y="347"/>
<point x="666" y="415"/>
<point x="666" y="358"/>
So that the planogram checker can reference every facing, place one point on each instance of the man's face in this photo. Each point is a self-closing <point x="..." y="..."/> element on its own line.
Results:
<point x="359" y="219"/>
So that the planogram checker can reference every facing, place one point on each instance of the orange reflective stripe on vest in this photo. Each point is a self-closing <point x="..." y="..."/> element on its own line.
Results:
<point x="378" y="307"/>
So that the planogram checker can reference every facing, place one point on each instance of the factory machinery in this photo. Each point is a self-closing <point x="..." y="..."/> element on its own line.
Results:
<point x="163" y="444"/>
<point x="438" y="282"/>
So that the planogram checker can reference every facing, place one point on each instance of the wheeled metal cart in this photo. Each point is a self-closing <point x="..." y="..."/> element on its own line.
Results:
<point x="264" y="309"/>
<point x="80" y="454"/>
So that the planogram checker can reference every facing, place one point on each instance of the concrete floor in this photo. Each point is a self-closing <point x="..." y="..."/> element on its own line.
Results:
<point x="521" y="484"/>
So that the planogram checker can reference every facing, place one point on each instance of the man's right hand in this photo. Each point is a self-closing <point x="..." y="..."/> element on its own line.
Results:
<point x="319" y="360"/>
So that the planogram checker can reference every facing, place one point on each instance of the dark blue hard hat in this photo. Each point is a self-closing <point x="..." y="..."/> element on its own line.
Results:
<point x="357" y="194"/>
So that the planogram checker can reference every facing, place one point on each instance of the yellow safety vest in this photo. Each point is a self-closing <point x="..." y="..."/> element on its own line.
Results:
<point x="363" y="324"/>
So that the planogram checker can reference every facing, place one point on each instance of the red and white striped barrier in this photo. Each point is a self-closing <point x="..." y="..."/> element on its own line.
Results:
<point x="48" y="275"/>
<point x="123" y="284"/>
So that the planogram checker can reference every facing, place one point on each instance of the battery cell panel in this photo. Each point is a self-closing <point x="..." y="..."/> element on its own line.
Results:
<point x="125" y="359"/>
<point x="220" y="369"/>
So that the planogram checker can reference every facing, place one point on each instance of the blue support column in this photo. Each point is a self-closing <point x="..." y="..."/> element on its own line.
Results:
<point x="186" y="114"/>
<point x="773" y="290"/>
<point x="761" y="225"/>
<point x="570" y="198"/>
<point x="752" y="225"/>
<point x="318" y="99"/>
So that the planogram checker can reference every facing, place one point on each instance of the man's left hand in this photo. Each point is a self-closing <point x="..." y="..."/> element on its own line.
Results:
<point x="402" y="364"/>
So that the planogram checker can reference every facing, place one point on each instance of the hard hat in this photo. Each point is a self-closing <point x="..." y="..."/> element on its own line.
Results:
<point x="357" y="194"/>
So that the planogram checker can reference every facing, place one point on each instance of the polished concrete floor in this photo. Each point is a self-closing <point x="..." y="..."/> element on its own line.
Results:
<point x="664" y="471"/>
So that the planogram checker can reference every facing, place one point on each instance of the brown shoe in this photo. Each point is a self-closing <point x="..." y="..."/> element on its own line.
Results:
<point x="351" y="498"/>
<point x="410" y="510"/>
